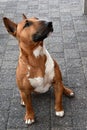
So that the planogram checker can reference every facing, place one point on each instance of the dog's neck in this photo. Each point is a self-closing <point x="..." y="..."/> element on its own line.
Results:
<point x="33" y="55"/>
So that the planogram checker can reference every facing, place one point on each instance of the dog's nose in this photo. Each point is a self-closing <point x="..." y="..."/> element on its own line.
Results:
<point x="49" y="24"/>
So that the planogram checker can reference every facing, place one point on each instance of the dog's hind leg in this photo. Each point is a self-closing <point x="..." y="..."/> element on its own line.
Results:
<point x="58" y="90"/>
<point x="68" y="92"/>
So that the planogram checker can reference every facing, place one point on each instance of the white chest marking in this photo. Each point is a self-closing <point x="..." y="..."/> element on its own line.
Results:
<point x="38" y="51"/>
<point x="42" y="84"/>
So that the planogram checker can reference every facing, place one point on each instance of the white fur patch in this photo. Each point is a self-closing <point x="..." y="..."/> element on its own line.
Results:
<point x="49" y="71"/>
<point x="38" y="84"/>
<point x="38" y="51"/>
<point x="42" y="84"/>
<point x="71" y="94"/>
<point x="60" y="113"/>
<point x="29" y="121"/>
<point x="22" y="103"/>
<point x="34" y="81"/>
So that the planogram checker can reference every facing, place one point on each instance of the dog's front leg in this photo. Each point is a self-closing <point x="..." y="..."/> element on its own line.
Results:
<point x="29" y="117"/>
<point x="58" y="91"/>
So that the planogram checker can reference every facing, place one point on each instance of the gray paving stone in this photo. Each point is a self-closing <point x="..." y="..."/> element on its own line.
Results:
<point x="74" y="70"/>
<point x="65" y="121"/>
<point x="69" y="36"/>
<point x="9" y="64"/>
<point x="17" y="129"/>
<point x="56" y="48"/>
<point x="85" y="73"/>
<point x="13" y="48"/>
<point x="71" y="45"/>
<point x="66" y="16"/>
<point x="80" y="128"/>
<point x="79" y="20"/>
<point x="80" y="123"/>
<point x="2" y="49"/>
<point x="75" y="13"/>
<point x="7" y="85"/>
<point x="80" y="27"/>
<point x="62" y="128"/>
<point x="84" y="60"/>
<point x="58" y="55"/>
<point x="11" y="55"/>
<point x="81" y="36"/>
<point x="3" y="119"/>
<point x="71" y="53"/>
<point x="73" y="63"/>
<point x="55" y="39"/>
<point x="83" y="54"/>
<point x="9" y="78"/>
<point x="58" y="27"/>
<point x="54" y="15"/>
<point x="83" y="46"/>
<point x="5" y="95"/>
<point x="67" y="25"/>
<point x="76" y="80"/>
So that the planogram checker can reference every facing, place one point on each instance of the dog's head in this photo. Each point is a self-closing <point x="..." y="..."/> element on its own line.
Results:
<point x="29" y="30"/>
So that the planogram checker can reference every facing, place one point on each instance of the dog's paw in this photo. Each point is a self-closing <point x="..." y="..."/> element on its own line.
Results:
<point x="29" y="121"/>
<point x="72" y="94"/>
<point x="60" y="113"/>
<point x="22" y="103"/>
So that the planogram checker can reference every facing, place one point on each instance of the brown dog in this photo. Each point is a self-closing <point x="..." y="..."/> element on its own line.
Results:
<point x="36" y="70"/>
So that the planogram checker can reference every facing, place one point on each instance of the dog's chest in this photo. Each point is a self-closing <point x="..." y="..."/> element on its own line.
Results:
<point x="42" y="84"/>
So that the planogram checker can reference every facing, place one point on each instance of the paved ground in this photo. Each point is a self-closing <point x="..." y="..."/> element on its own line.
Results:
<point x="68" y="44"/>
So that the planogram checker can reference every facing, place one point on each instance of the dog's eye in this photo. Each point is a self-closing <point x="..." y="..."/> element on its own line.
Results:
<point x="27" y="24"/>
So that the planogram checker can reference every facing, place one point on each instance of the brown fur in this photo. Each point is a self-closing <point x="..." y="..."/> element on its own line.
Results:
<point x="37" y="65"/>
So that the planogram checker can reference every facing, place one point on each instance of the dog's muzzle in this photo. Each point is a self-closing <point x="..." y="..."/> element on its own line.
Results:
<point x="43" y="31"/>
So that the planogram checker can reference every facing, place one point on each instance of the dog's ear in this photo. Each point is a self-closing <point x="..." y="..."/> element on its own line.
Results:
<point x="10" y="26"/>
<point x="24" y="16"/>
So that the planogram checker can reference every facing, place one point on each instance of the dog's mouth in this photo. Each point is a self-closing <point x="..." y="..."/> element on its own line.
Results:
<point x="43" y="32"/>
